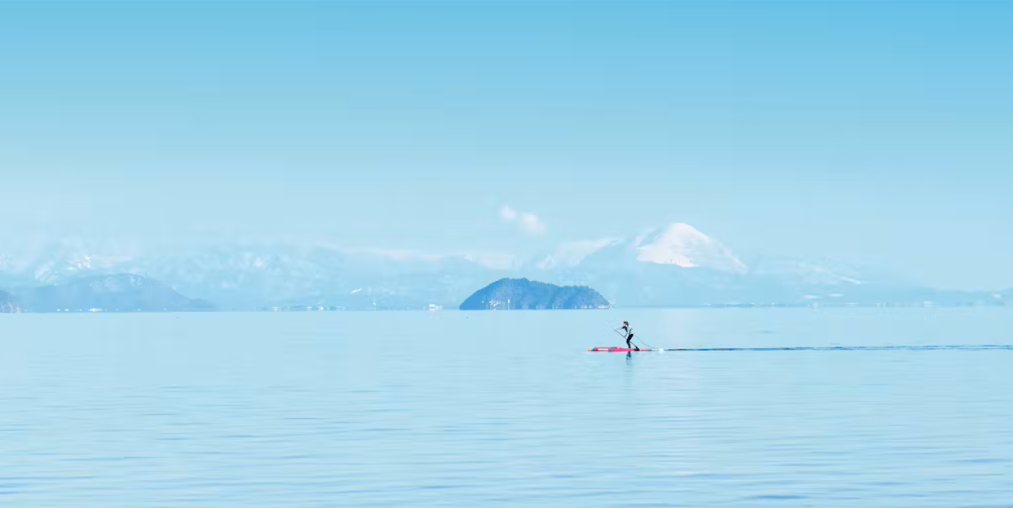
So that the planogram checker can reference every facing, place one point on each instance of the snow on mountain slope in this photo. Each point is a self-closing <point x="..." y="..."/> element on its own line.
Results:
<point x="683" y="245"/>
<point x="48" y="266"/>
<point x="814" y="272"/>
<point x="573" y="254"/>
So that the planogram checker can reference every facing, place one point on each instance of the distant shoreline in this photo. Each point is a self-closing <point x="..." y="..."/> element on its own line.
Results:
<point x="640" y="307"/>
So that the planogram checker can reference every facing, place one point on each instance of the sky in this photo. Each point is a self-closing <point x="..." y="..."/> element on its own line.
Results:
<point x="878" y="133"/>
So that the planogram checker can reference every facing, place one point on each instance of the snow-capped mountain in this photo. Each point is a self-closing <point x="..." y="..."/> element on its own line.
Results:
<point x="677" y="244"/>
<point x="683" y="245"/>
<point x="673" y="265"/>
<point x="54" y="265"/>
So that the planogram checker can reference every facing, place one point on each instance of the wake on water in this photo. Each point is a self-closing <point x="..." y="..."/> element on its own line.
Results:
<point x="949" y="347"/>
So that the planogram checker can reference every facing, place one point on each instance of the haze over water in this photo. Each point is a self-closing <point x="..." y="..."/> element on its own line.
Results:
<point x="504" y="409"/>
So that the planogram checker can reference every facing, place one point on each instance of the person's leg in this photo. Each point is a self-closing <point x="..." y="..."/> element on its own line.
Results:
<point x="635" y="347"/>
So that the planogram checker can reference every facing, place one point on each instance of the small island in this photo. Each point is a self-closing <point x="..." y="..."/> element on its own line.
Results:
<point x="521" y="294"/>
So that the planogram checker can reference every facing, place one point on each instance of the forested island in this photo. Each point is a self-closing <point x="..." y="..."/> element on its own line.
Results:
<point x="520" y="294"/>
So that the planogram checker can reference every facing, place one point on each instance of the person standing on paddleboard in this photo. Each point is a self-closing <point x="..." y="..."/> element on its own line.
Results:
<point x="628" y="332"/>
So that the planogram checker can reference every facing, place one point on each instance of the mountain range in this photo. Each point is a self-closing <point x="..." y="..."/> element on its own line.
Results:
<point x="674" y="265"/>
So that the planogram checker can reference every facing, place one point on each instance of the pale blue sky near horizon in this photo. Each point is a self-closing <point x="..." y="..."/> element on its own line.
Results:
<point x="873" y="132"/>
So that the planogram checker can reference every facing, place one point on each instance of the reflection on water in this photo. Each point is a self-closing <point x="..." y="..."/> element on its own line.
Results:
<point x="888" y="408"/>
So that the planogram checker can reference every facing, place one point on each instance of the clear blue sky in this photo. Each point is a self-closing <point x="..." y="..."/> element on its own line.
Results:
<point x="874" y="132"/>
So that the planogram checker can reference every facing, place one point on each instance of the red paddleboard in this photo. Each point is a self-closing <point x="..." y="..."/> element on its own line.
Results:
<point x="614" y="349"/>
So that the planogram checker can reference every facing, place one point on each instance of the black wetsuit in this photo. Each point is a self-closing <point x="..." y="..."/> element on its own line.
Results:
<point x="628" y="330"/>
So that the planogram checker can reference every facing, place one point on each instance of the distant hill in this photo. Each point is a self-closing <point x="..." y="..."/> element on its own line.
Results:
<point x="516" y="294"/>
<point x="7" y="302"/>
<point x="111" y="293"/>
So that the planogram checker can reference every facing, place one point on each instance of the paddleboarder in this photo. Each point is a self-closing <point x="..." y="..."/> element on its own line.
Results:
<point x="628" y="332"/>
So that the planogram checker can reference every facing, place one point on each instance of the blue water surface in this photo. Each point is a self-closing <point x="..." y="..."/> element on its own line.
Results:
<point x="395" y="409"/>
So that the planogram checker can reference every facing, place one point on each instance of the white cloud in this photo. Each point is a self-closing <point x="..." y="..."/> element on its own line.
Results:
<point x="526" y="221"/>
<point x="531" y="224"/>
<point x="507" y="214"/>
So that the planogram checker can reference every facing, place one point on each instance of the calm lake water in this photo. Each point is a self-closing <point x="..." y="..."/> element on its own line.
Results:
<point x="505" y="409"/>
